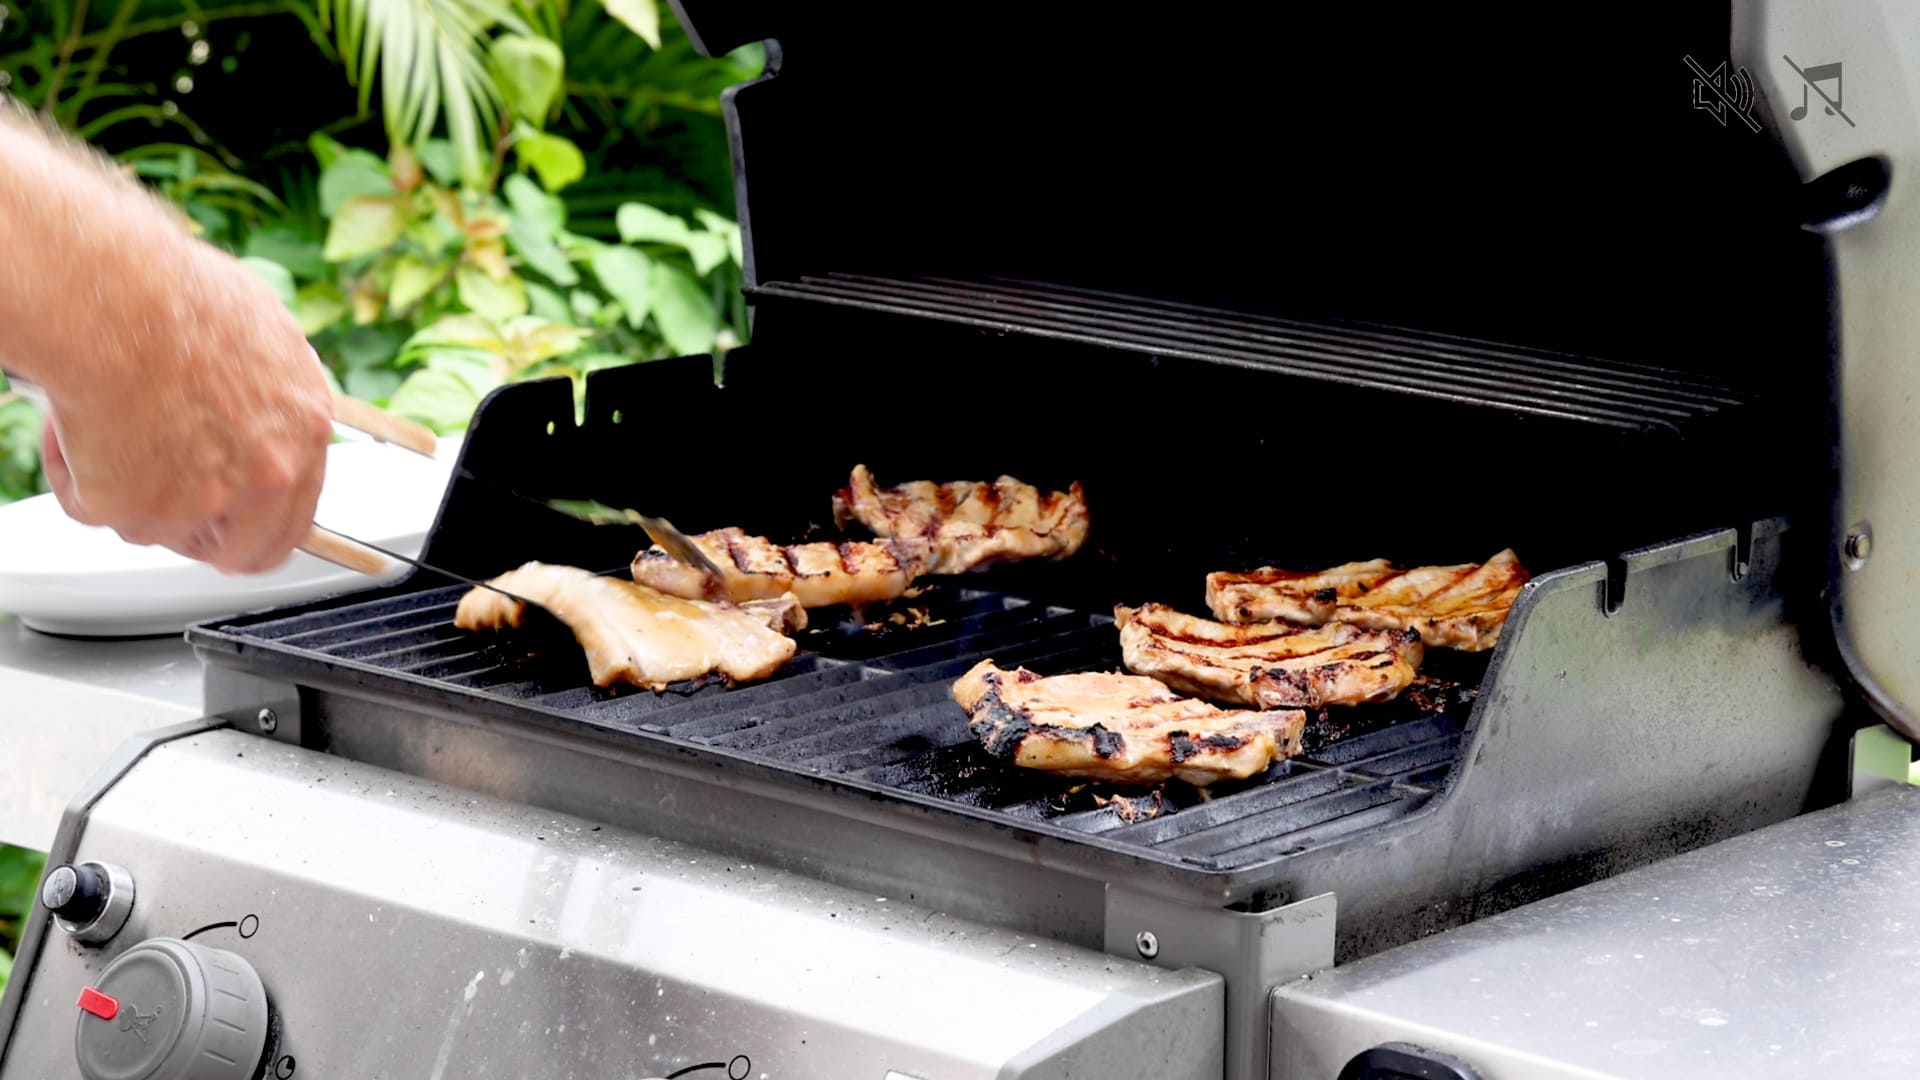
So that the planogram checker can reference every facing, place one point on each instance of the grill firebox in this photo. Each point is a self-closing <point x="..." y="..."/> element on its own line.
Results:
<point x="866" y="708"/>
<point x="1524" y="769"/>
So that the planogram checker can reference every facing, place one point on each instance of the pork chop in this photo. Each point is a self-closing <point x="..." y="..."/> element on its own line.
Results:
<point x="1113" y="726"/>
<point x="817" y="574"/>
<point x="639" y="635"/>
<point x="1461" y="607"/>
<point x="1267" y="665"/>
<point x="970" y="525"/>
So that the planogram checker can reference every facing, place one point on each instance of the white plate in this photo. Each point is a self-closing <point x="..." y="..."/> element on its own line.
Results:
<point x="61" y="577"/>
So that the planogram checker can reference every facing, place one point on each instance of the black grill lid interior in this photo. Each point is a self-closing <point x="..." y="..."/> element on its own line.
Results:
<point x="1533" y="175"/>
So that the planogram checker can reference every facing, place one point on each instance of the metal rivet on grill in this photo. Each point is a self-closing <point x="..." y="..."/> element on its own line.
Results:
<point x="1148" y="945"/>
<point x="269" y="720"/>
<point x="1859" y="545"/>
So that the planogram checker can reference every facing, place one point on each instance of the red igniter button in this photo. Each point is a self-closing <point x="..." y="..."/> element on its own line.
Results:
<point x="99" y="1004"/>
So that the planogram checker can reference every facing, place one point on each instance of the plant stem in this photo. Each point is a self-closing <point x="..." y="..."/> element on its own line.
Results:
<point x="505" y="139"/>
<point x="67" y="48"/>
<point x="173" y="22"/>
<point x="98" y="61"/>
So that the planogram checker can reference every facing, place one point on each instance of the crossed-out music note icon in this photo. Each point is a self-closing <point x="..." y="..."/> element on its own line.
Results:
<point x="1812" y="76"/>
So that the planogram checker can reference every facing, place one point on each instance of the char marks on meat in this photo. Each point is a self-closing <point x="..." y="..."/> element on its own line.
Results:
<point x="1118" y="727"/>
<point x="818" y="574"/>
<point x="1267" y="665"/>
<point x="969" y="525"/>
<point x="1307" y="599"/>
<point x="638" y="635"/>
<point x="1459" y="607"/>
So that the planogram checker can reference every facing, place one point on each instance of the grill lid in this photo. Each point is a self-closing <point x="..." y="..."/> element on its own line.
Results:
<point x="1446" y="169"/>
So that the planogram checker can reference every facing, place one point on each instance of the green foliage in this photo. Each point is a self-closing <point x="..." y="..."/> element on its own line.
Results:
<point x="429" y="296"/>
<point x="431" y="56"/>
<point x="19" y="448"/>
<point x="20" y="871"/>
<point x="550" y="196"/>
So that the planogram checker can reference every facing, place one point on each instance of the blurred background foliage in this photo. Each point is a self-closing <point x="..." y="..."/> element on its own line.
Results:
<point x="449" y="194"/>
<point x="20" y="871"/>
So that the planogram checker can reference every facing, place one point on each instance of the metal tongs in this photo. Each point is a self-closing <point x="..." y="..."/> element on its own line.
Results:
<point x="659" y="530"/>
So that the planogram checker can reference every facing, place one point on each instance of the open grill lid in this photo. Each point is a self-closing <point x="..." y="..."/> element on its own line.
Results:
<point x="1456" y="170"/>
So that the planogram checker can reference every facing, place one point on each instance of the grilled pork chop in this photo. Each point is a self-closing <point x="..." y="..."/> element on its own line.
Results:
<point x="1110" y="726"/>
<point x="818" y="575"/>
<point x="1267" y="665"/>
<point x="1460" y="607"/>
<point x="1305" y="598"/>
<point x="638" y="635"/>
<point x="970" y="525"/>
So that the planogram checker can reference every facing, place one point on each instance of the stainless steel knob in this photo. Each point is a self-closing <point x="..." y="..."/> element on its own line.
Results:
<point x="168" y="1009"/>
<point x="90" y="900"/>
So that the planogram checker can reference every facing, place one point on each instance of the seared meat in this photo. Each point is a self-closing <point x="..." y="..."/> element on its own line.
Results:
<point x="1460" y="607"/>
<point x="1267" y="665"/>
<point x="1111" y="726"/>
<point x="634" y="634"/>
<point x="1305" y="598"/>
<point x="818" y="575"/>
<point x="970" y="525"/>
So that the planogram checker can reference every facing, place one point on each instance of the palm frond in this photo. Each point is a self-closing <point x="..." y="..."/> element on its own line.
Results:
<point x="432" y="65"/>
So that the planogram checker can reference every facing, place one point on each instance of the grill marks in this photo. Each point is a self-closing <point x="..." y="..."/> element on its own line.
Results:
<point x="1267" y="665"/>
<point x="1459" y="607"/>
<point x="1307" y="599"/>
<point x="1126" y="728"/>
<point x="820" y="574"/>
<point x="968" y="525"/>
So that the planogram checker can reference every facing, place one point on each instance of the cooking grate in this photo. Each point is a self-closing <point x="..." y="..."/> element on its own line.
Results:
<point x="1518" y="379"/>
<point x="865" y="708"/>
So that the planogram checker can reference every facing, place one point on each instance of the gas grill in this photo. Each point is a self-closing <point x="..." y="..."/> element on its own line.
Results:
<point x="822" y="874"/>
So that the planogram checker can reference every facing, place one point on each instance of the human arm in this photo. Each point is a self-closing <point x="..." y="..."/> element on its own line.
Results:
<point x="188" y="409"/>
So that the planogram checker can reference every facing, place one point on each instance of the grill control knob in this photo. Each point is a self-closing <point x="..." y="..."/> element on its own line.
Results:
<point x="90" y="900"/>
<point x="168" y="1009"/>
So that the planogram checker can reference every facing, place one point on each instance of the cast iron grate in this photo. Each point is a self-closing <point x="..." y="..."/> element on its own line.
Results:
<point x="866" y="707"/>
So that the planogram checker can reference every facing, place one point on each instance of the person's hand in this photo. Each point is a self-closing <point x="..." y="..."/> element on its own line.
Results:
<point x="207" y="434"/>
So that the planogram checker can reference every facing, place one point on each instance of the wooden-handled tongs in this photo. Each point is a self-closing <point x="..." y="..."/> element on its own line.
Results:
<point x="349" y="412"/>
<point x="341" y="550"/>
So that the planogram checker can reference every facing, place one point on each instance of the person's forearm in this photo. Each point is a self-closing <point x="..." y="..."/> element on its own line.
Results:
<point x="76" y="241"/>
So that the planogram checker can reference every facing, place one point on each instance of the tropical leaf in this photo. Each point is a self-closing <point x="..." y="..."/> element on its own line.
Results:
<point x="364" y="225"/>
<point x="528" y="71"/>
<point x="432" y="57"/>
<point x="641" y="16"/>
<point x="629" y="276"/>
<point x="557" y="161"/>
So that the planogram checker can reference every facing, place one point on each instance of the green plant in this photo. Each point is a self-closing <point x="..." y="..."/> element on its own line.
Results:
<point x="563" y="204"/>
<point x="424" y="296"/>
<point x="20" y="871"/>
<point x="485" y="68"/>
<point x="19" y="447"/>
